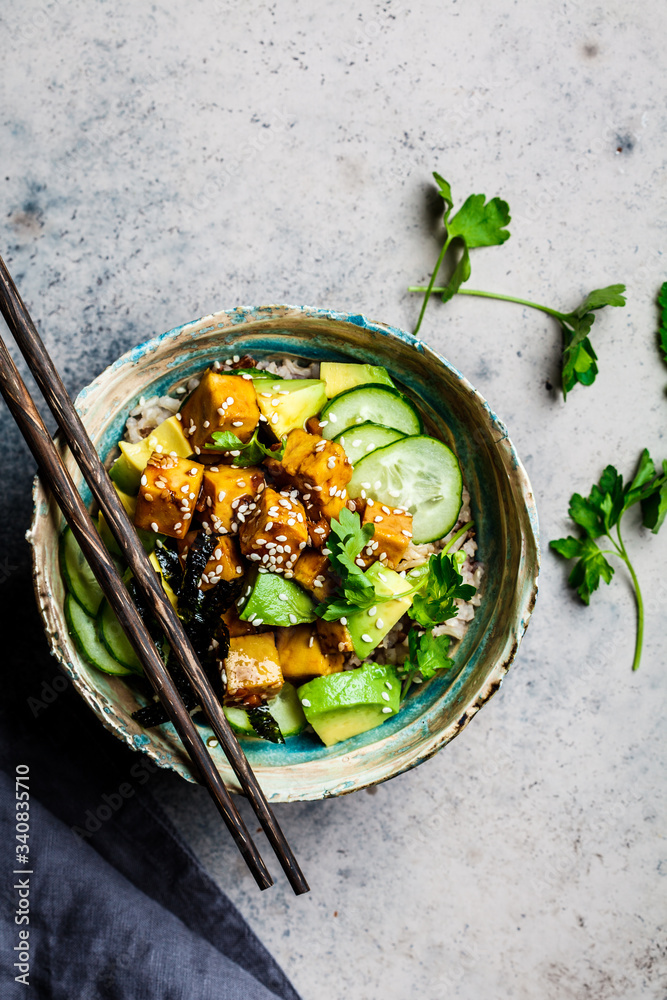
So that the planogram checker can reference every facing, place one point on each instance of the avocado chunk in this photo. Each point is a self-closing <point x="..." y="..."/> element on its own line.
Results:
<point x="342" y="705"/>
<point x="339" y="377"/>
<point x="167" y="437"/>
<point x="288" y="403"/>
<point x="273" y="600"/>
<point x="368" y="628"/>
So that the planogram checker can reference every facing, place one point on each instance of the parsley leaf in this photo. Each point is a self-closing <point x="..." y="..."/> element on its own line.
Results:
<point x="602" y="511"/>
<point x="662" y="330"/>
<point x="479" y="223"/>
<point x="434" y="604"/>
<point x="251" y="452"/>
<point x="345" y="542"/>
<point x="427" y="654"/>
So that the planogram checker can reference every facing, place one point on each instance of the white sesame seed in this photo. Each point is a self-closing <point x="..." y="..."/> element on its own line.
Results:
<point x="192" y="472"/>
<point x="186" y="517"/>
<point x="258" y="621"/>
<point x="159" y="448"/>
<point x="293" y="619"/>
<point x="379" y="623"/>
<point x="326" y="552"/>
<point x="393" y="493"/>
<point x="323" y="423"/>
<point x="385" y="509"/>
<point x="229" y="400"/>
<point x="274" y="418"/>
<point x="236" y="358"/>
<point x="207" y="423"/>
<point x="144" y="480"/>
<point x="149" y="497"/>
<point x="356" y="443"/>
<point x="370" y="503"/>
<point x="304" y="701"/>
<point x="333" y="418"/>
<point x="154" y="526"/>
<point x="235" y="454"/>
<point x="263" y="418"/>
<point x="366" y="637"/>
<point x="237" y="423"/>
<point x="408" y="534"/>
<point x="311" y="641"/>
<point x="254" y="556"/>
<point x="269" y="525"/>
<point x="386" y="710"/>
<point x="221" y="411"/>
<point x="283" y="597"/>
<point x="193" y="496"/>
<point x="317" y="583"/>
<point x="239" y="569"/>
<point x="385" y="696"/>
<point x="372" y="612"/>
<point x="378" y="518"/>
<point x="388" y="684"/>
<point x="178" y="526"/>
<point x="341" y="647"/>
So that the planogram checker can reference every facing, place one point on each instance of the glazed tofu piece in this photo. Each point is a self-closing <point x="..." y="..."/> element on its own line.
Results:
<point x="168" y="492"/>
<point x="252" y="671"/>
<point x="334" y="636"/>
<point x="302" y="656"/>
<point x="318" y="468"/>
<point x="393" y="531"/>
<point x="226" y="562"/>
<point x="311" y="571"/>
<point x="225" y="492"/>
<point x="275" y="533"/>
<point x="235" y="626"/>
<point x="221" y="402"/>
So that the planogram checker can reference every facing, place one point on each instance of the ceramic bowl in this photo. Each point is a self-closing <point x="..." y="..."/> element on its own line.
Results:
<point x="502" y="504"/>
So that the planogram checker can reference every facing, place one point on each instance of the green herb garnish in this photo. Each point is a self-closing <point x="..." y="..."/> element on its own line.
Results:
<point x="597" y="515"/>
<point x="479" y="224"/>
<point x="345" y="542"/>
<point x="434" y="603"/>
<point x="428" y="654"/>
<point x="247" y="453"/>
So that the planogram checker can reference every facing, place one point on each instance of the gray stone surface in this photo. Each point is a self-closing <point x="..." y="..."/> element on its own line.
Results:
<point x="163" y="161"/>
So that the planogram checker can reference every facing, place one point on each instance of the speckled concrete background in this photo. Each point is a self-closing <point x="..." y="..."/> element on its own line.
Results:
<point x="163" y="161"/>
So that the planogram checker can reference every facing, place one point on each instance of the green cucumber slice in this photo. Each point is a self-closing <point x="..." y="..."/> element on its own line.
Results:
<point x="78" y="574"/>
<point x="419" y="473"/>
<point x="285" y="709"/>
<point x="113" y="637"/>
<point x="379" y="404"/>
<point x="83" y="629"/>
<point x="360" y="440"/>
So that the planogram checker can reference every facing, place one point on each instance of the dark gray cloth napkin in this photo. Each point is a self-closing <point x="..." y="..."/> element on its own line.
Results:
<point x="122" y="909"/>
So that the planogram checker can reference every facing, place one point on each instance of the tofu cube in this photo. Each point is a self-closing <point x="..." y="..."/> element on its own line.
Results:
<point x="318" y="468"/>
<point x="275" y="532"/>
<point x="312" y="572"/>
<point x="302" y="656"/>
<point x="393" y="531"/>
<point x="334" y="636"/>
<point x="221" y="402"/>
<point x="168" y="493"/>
<point x="252" y="670"/>
<point x="226" y="496"/>
<point x="226" y="562"/>
<point x="236" y="626"/>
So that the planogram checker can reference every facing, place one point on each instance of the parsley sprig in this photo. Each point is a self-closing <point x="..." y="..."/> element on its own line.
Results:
<point x="598" y="514"/>
<point x="247" y="453"/>
<point x="479" y="224"/>
<point x="442" y="587"/>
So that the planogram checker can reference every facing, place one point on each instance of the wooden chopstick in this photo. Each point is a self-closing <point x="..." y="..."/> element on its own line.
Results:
<point x="50" y="383"/>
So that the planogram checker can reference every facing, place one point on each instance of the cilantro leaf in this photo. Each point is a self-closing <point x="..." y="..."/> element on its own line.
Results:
<point x="431" y="655"/>
<point x="591" y="568"/>
<point x="579" y="358"/>
<point x="345" y="542"/>
<point x="434" y="603"/>
<point x="662" y="330"/>
<point x="251" y="452"/>
<point x="602" y="511"/>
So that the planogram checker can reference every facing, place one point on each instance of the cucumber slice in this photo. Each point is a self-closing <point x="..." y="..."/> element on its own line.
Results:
<point x="115" y="641"/>
<point x="78" y="574"/>
<point x="419" y="473"/>
<point x="285" y="709"/>
<point x="360" y="440"/>
<point x="83" y="628"/>
<point x="379" y="404"/>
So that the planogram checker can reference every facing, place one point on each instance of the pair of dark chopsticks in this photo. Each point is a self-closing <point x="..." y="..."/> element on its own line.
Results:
<point x="57" y="478"/>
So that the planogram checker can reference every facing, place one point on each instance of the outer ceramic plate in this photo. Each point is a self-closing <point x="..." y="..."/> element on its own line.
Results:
<point x="503" y="509"/>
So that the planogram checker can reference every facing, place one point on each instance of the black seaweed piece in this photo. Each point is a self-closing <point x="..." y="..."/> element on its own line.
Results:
<point x="154" y="714"/>
<point x="170" y="565"/>
<point x="145" y="613"/>
<point x="199" y="553"/>
<point x="264" y="724"/>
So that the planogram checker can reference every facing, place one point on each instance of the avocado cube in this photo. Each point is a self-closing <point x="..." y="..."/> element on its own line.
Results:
<point x="301" y="655"/>
<point x="342" y="705"/>
<point x="221" y="402"/>
<point x="167" y="437"/>
<point x="288" y="403"/>
<point x="273" y="600"/>
<point x="312" y="572"/>
<point x="252" y="670"/>
<point x="393" y="531"/>
<point x="368" y="628"/>
<point x="225" y="562"/>
<point x="226" y="493"/>
<point x="341" y="377"/>
<point x="318" y="468"/>
<point x="275" y="532"/>
<point x="168" y="494"/>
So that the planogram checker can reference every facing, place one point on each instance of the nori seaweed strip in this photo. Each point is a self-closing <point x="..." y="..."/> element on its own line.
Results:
<point x="170" y="565"/>
<point x="190" y="594"/>
<point x="264" y="724"/>
<point x="145" y="614"/>
<point x="154" y="714"/>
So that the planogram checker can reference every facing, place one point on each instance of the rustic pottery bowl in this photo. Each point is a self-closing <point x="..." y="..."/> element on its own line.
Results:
<point x="502" y="504"/>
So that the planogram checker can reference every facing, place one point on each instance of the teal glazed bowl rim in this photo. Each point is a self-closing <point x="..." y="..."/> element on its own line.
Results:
<point x="503" y="508"/>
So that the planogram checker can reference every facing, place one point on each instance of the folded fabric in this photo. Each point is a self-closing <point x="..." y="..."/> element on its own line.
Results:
<point x="118" y="906"/>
